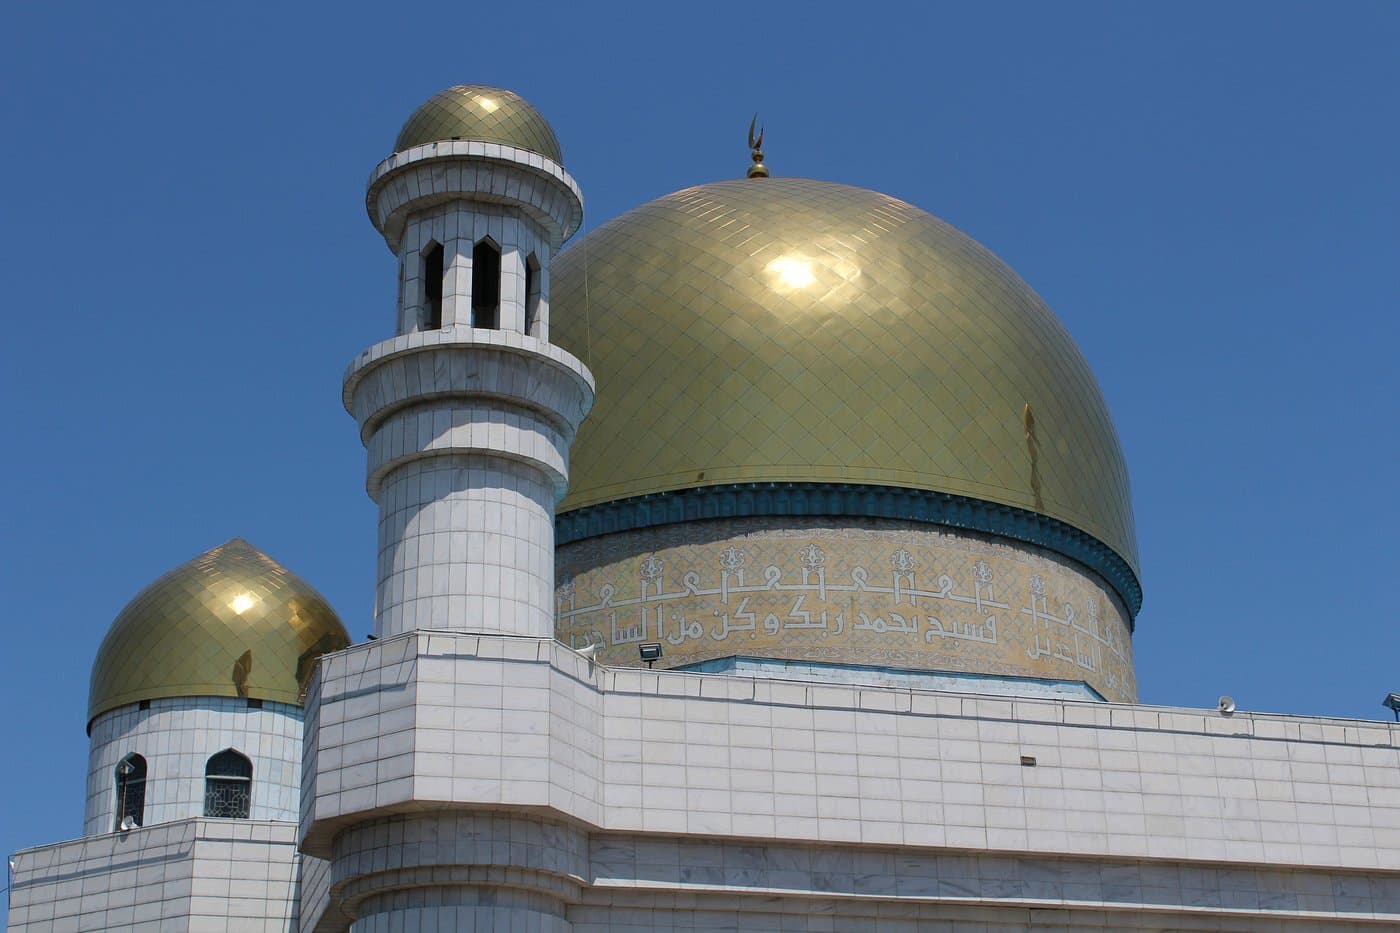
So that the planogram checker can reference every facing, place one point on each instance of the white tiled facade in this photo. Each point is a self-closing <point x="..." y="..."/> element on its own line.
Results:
<point x="177" y="737"/>
<point x="195" y="875"/>
<point x="745" y="803"/>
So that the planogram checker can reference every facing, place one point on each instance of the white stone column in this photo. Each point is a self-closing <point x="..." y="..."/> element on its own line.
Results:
<point x="457" y="282"/>
<point x="512" y="288"/>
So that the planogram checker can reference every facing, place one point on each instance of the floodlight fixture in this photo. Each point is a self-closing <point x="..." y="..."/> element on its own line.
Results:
<point x="650" y="652"/>
<point x="1392" y="703"/>
<point x="1226" y="705"/>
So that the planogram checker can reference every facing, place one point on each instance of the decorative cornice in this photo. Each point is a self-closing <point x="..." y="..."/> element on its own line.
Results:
<point x="751" y="500"/>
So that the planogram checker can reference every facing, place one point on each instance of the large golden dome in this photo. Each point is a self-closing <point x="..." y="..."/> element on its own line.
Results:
<point x="786" y="330"/>
<point x="478" y="112"/>
<point x="232" y="622"/>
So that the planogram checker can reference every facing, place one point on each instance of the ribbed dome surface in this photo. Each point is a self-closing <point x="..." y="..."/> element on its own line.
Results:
<point x="478" y="112"/>
<point x="790" y="330"/>
<point x="232" y="622"/>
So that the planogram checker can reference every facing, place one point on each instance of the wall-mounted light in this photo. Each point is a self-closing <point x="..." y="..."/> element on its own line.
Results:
<point x="650" y="653"/>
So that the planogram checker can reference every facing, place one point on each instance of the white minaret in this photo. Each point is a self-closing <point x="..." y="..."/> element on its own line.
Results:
<point x="468" y="413"/>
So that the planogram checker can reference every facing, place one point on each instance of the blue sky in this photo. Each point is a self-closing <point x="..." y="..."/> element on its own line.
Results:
<point x="1206" y="193"/>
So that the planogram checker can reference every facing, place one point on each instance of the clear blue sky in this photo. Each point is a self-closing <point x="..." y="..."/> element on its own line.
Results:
<point x="1206" y="193"/>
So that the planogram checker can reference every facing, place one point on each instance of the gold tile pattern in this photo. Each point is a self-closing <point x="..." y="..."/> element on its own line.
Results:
<point x="892" y="594"/>
<point x="232" y="622"/>
<point x="790" y="330"/>
<point x="478" y="112"/>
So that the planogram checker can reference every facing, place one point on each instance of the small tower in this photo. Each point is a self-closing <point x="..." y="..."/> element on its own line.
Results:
<point x="467" y="414"/>
<point x="195" y="707"/>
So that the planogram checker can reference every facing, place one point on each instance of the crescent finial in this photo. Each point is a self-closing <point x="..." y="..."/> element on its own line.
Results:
<point x="758" y="169"/>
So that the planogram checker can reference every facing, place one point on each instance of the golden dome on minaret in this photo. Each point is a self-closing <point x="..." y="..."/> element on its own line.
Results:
<point x="481" y="113"/>
<point x="232" y="623"/>
<point x="786" y="330"/>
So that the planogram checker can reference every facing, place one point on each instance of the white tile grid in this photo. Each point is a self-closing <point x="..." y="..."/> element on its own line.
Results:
<point x="476" y="426"/>
<point x="457" y="150"/>
<point x="553" y="206"/>
<point x="364" y="401"/>
<point x="540" y="329"/>
<point x="843" y="771"/>
<point x="466" y="544"/>
<point x="458" y="226"/>
<point x="515" y="721"/>
<point x="518" y="843"/>
<point x="933" y="876"/>
<point x="313" y="891"/>
<point x="196" y="874"/>
<point x="468" y="364"/>
<point x="177" y="737"/>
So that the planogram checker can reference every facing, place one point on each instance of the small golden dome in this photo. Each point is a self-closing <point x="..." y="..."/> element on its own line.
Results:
<point x="232" y="622"/>
<point x="791" y="330"/>
<point x="478" y="112"/>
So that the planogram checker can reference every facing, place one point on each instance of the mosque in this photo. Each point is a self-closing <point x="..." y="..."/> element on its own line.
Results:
<point x="763" y="560"/>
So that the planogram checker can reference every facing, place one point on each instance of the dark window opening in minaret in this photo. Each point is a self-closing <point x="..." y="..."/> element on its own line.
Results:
<point x="432" y="287"/>
<point x="532" y="295"/>
<point x="131" y="792"/>
<point x="228" y="786"/>
<point x="486" y="285"/>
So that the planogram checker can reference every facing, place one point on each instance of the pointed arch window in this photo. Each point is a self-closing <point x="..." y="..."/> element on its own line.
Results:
<point x="432" y="287"/>
<point x="486" y="285"/>
<point x="228" y="785"/>
<point x="532" y="295"/>
<point x="131" y="792"/>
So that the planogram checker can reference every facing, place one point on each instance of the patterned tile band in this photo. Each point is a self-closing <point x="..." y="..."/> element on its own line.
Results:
<point x="895" y="594"/>
<point x="827" y="499"/>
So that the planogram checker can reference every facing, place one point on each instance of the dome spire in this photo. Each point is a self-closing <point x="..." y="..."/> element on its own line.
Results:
<point x="758" y="169"/>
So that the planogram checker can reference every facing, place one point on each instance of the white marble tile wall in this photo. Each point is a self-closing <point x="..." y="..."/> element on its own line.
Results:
<point x="419" y="178"/>
<point x="459" y="909"/>
<point x="634" y="875"/>
<point x="457" y="227"/>
<point x="515" y="370"/>
<point x="177" y="737"/>
<point x="191" y="875"/>
<point x="466" y="544"/>
<point x="721" y="755"/>
<point x="313" y="892"/>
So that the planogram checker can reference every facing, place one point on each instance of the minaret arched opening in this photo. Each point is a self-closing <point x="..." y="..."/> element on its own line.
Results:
<point x="228" y="785"/>
<point x="131" y="792"/>
<point x="486" y="284"/>
<point x="532" y="295"/>
<point x="432" y="287"/>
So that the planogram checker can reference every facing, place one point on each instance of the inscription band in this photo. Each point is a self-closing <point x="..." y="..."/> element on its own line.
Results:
<point x="811" y="500"/>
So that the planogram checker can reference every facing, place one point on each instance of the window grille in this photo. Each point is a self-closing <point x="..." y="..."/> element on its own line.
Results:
<point x="131" y="792"/>
<point x="228" y="786"/>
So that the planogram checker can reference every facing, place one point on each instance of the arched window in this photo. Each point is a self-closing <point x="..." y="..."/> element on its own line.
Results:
<point x="131" y="792"/>
<point x="532" y="295"/>
<point x="432" y="287"/>
<point x="228" y="785"/>
<point x="486" y="285"/>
